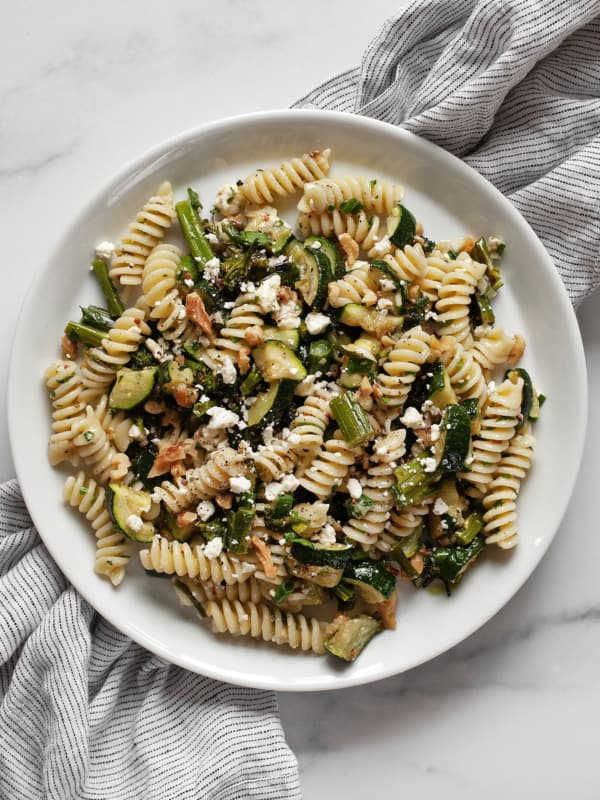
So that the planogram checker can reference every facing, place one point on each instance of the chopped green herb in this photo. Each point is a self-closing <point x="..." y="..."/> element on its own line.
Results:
<point x="88" y="436"/>
<point x="351" y="206"/>
<point x="282" y="591"/>
<point x="452" y="255"/>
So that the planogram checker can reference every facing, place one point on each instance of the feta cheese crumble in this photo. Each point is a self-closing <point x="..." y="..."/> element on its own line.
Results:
<point x="213" y="548"/>
<point x="326" y="535"/>
<point x="440" y="506"/>
<point x="273" y="490"/>
<point x="105" y="250"/>
<point x="266" y="294"/>
<point x="212" y="269"/>
<point x="412" y="418"/>
<point x="429" y="464"/>
<point x="354" y="488"/>
<point x="205" y="509"/>
<point x="289" y="483"/>
<point x="228" y="371"/>
<point x="134" y="523"/>
<point x="239" y="484"/>
<point x="221" y="418"/>
<point x="316" y="322"/>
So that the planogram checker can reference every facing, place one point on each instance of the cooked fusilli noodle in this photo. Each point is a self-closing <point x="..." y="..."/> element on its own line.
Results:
<point x="455" y="297"/>
<point x="265" y="184"/>
<point x="372" y="194"/>
<point x="180" y="558"/>
<point x="399" y="371"/>
<point x="329" y="467"/>
<point x="358" y="285"/>
<point x="64" y="387"/>
<point x="143" y="235"/>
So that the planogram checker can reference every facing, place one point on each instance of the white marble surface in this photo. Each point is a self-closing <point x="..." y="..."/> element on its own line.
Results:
<point x="512" y="712"/>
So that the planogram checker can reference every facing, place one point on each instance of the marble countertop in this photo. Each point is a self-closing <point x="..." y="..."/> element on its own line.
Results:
<point x="512" y="711"/>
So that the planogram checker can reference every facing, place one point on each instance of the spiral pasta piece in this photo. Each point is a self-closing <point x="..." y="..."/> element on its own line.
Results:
<point x="401" y="524"/>
<point x="500" y="516"/>
<point x="180" y="558"/>
<point x="498" y="423"/>
<point x="358" y="285"/>
<point x="64" y="386"/>
<point x="432" y="277"/>
<point x="409" y="264"/>
<point x="94" y="449"/>
<point x="372" y="194"/>
<point x="261" y="622"/>
<point x="245" y="314"/>
<point x="310" y="421"/>
<point x="143" y="234"/>
<point x="201" y="483"/>
<point x="493" y="348"/>
<point x="329" y="468"/>
<point x="263" y="185"/>
<point x="455" y="297"/>
<point x="464" y="372"/>
<point x="274" y="460"/>
<point x="112" y="548"/>
<point x="370" y="232"/>
<point x="100" y="364"/>
<point x="161" y="295"/>
<point x="387" y="451"/>
<point x="401" y="368"/>
<point x="116" y="424"/>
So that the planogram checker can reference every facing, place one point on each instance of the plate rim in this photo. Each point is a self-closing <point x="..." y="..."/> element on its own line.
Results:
<point x="118" y="181"/>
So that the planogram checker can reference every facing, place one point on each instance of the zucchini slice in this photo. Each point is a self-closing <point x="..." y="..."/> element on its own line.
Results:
<point x="268" y="404"/>
<point x="371" y="579"/>
<point x="441" y="392"/>
<point x="529" y="402"/>
<point x="351" y="636"/>
<point x="315" y="275"/>
<point x="406" y="229"/>
<point x="325" y="555"/>
<point x="181" y="533"/>
<point x="319" y="244"/>
<point x="289" y="336"/>
<point x="277" y="362"/>
<point x="132" y="387"/>
<point x="452" y="447"/>
<point x="125" y="507"/>
<point x="389" y="273"/>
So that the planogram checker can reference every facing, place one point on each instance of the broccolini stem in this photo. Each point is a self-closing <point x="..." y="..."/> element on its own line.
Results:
<point x="84" y="334"/>
<point x="192" y="230"/>
<point x="115" y="306"/>
<point x="96" y="317"/>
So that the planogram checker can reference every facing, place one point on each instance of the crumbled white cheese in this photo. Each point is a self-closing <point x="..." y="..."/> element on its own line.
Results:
<point x="267" y="434"/>
<point x="229" y="303"/>
<point x="246" y="287"/>
<point x="383" y="304"/>
<point x="434" y="433"/>
<point x="221" y="418"/>
<point x="105" y="250"/>
<point x="289" y="315"/>
<point x="213" y="548"/>
<point x="412" y="418"/>
<point x="156" y="350"/>
<point x="316" y="322"/>
<point x="431" y="315"/>
<point x="266" y="294"/>
<point x="205" y="509"/>
<point x="189" y="283"/>
<point x="135" y="432"/>
<point x="134" y="523"/>
<point x="229" y="200"/>
<point x="239" y="484"/>
<point x="429" y="464"/>
<point x="386" y="285"/>
<point x="382" y="247"/>
<point x="289" y="483"/>
<point x="228" y="371"/>
<point x="326" y="535"/>
<point x="211" y="238"/>
<point x="273" y="490"/>
<point x="212" y="269"/>
<point x="440" y="506"/>
<point x="354" y="488"/>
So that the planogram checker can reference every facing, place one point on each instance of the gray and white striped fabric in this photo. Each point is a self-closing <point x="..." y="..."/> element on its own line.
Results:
<point x="513" y="88"/>
<point x="86" y="713"/>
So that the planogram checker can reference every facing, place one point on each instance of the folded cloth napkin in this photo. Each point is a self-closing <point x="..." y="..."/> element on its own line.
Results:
<point x="513" y="88"/>
<point x="86" y="713"/>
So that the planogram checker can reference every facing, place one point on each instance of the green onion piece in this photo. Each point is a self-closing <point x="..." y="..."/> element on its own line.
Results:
<point x="358" y="508"/>
<point x="344" y="591"/>
<point x="473" y="524"/>
<point x="84" y="334"/>
<point x="191" y="227"/>
<point x="405" y="548"/>
<point x="450" y="563"/>
<point x="351" y="206"/>
<point x="239" y="529"/>
<point x="413" y="484"/>
<point x="351" y="419"/>
<point x="481" y="253"/>
<point x="485" y="310"/>
<point x="114" y="305"/>
<point x="541" y="399"/>
<point x="283" y="590"/>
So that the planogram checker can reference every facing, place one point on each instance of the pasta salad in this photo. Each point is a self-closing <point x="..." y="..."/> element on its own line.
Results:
<point x="288" y="420"/>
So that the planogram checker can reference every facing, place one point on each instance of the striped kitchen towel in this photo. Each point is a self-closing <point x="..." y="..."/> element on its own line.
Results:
<point x="86" y="713"/>
<point x="513" y="88"/>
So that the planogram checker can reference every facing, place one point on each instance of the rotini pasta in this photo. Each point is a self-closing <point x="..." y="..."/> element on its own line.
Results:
<point x="288" y="424"/>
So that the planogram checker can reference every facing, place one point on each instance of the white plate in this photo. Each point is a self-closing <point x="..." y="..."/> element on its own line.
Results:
<point x="449" y="198"/>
